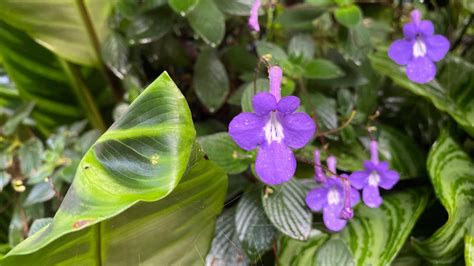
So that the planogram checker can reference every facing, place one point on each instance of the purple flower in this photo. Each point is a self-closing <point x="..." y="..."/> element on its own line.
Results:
<point x="376" y="174"/>
<point x="253" y="19"/>
<point x="334" y="197"/>
<point x="275" y="129"/>
<point x="419" y="49"/>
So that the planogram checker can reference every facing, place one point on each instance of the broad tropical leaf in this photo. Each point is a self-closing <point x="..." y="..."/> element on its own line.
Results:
<point x="451" y="172"/>
<point x="334" y="252"/>
<point x="141" y="157"/>
<point x="176" y="230"/>
<point x="451" y="92"/>
<point x="286" y="208"/>
<point x="375" y="236"/>
<point x="66" y="30"/>
<point x="294" y="252"/>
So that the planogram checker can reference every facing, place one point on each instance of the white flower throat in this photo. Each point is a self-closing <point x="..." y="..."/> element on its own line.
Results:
<point x="419" y="48"/>
<point x="333" y="196"/>
<point x="374" y="178"/>
<point x="273" y="129"/>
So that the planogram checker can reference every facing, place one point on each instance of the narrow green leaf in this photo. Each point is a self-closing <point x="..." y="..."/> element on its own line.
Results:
<point x="221" y="149"/>
<point x="450" y="170"/>
<point x="286" y="208"/>
<point x="469" y="249"/>
<point x="322" y="69"/>
<point x="375" y="236"/>
<point x="226" y="248"/>
<point x="142" y="156"/>
<point x="38" y="224"/>
<point x="208" y="22"/>
<point x="452" y="92"/>
<point x="17" y="118"/>
<point x="348" y="16"/>
<point x="64" y="32"/>
<point x="278" y="55"/>
<point x="254" y="231"/>
<point x="210" y="81"/>
<point x="235" y="7"/>
<point x="334" y="252"/>
<point x="182" y="7"/>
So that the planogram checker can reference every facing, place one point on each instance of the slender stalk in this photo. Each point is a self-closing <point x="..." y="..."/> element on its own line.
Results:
<point x="83" y="95"/>
<point x="94" y="40"/>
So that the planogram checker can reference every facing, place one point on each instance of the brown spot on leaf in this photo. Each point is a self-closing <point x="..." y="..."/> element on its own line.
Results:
<point x="81" y="224"/>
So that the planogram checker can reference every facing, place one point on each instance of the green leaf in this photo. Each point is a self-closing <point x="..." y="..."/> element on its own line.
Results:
<point x="452" y="92"/>
<point x="402" y="152"/>
<point x="334" y="252"/>
<point x="286" y="208"/>
<point x="294" y="252"/>
<point x="235" y="7"/>
<point x="375" y="236"/>
<point x="226" y="248"/>
<point x="41" y="192"/>
<point x="469" y="248"/>
<point x="61" y="26"/>
<point x="115" y="53"/>
<point x="174" y="230"/>
<point x="38" y="224"/>
<point x="16" y="119"/>
<point x="54" y="92"/>
<point x="208" y="22"/>
<point x="221" y="149"/>
<point x="30" y="154"/>
<point x="142" y="156"/>
<point x="151" y="26"/>
<point x="210" y="81"/>
<point x="302" y="45"/>
<point x="348" y="16"/>
<point x="450" y="170"/>
<point x="182" y="7"/>
<point x="322" y="69"/>
<point x="254" y="231"/>
<point x="300" y="17"/>
<point x="325" y="108"/>
<point x="278" y="55"/>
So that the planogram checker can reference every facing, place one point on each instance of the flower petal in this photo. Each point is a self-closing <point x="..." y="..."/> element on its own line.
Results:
<point x="247" y="130"/>
<point x="437" y="47"/>
<point x="355" y="197"/>
<point x="359" y="179"/>
<point x="410" y="30"/>
<point x="316" y="198"/>
<point x="401" y="51"/>
<point x="331" y="217"/>
<point x="263" y="103"/>
<point x="388" y="179"/>
<point x="426" y="28"/>
<point x="275" y="163"/>
<point x="371" y="196"/>
<point x="288" y="104"/>
<point x="275" y="74"/>
<point x="421" y="70"/>
<point x="298" y="128"/>
<point x="253" y="19"/>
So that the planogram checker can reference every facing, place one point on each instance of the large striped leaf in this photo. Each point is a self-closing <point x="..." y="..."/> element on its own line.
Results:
<point x="334" y="252"/>
<point x="65" y="27"/>
<point x="141" y="157"/>
<point x="286" y="208"/>
<point x="375" y="236"/>
<point x="176" y="230"/>
<point x="254" y="231"/>
<point x="451" y="172"/>
<point x="469" y="249"/>
<point x="294" y="252"/>
<point x="40" y="76"/>
<point x="451" y="92"/>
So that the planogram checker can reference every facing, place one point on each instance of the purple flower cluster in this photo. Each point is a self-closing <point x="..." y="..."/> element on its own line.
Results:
<point x="337" y="195"/>
<point x="275" y="128"/>
<point x="419" y="49"/>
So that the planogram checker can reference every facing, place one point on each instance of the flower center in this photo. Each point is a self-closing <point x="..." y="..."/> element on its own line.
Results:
<point x="374" y="178"/>
<point x="333" y="196"/>
<point x="273" y="129"/>
<point x="419" y="49"/>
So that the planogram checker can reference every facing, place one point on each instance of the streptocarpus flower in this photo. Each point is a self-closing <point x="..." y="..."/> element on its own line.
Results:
<point x="253" y="19"/>
<point x="419" y="49"/>
<point x="375" y="174"/>
<point x="335" y="198"/>
<point x="275" y="128"/>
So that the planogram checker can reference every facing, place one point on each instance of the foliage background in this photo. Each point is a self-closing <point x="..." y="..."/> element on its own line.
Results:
<point x="70" y="69"/>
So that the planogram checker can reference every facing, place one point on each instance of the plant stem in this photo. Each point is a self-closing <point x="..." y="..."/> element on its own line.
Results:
<point x="94" y="40"/>
<point x="83" y="95"/>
